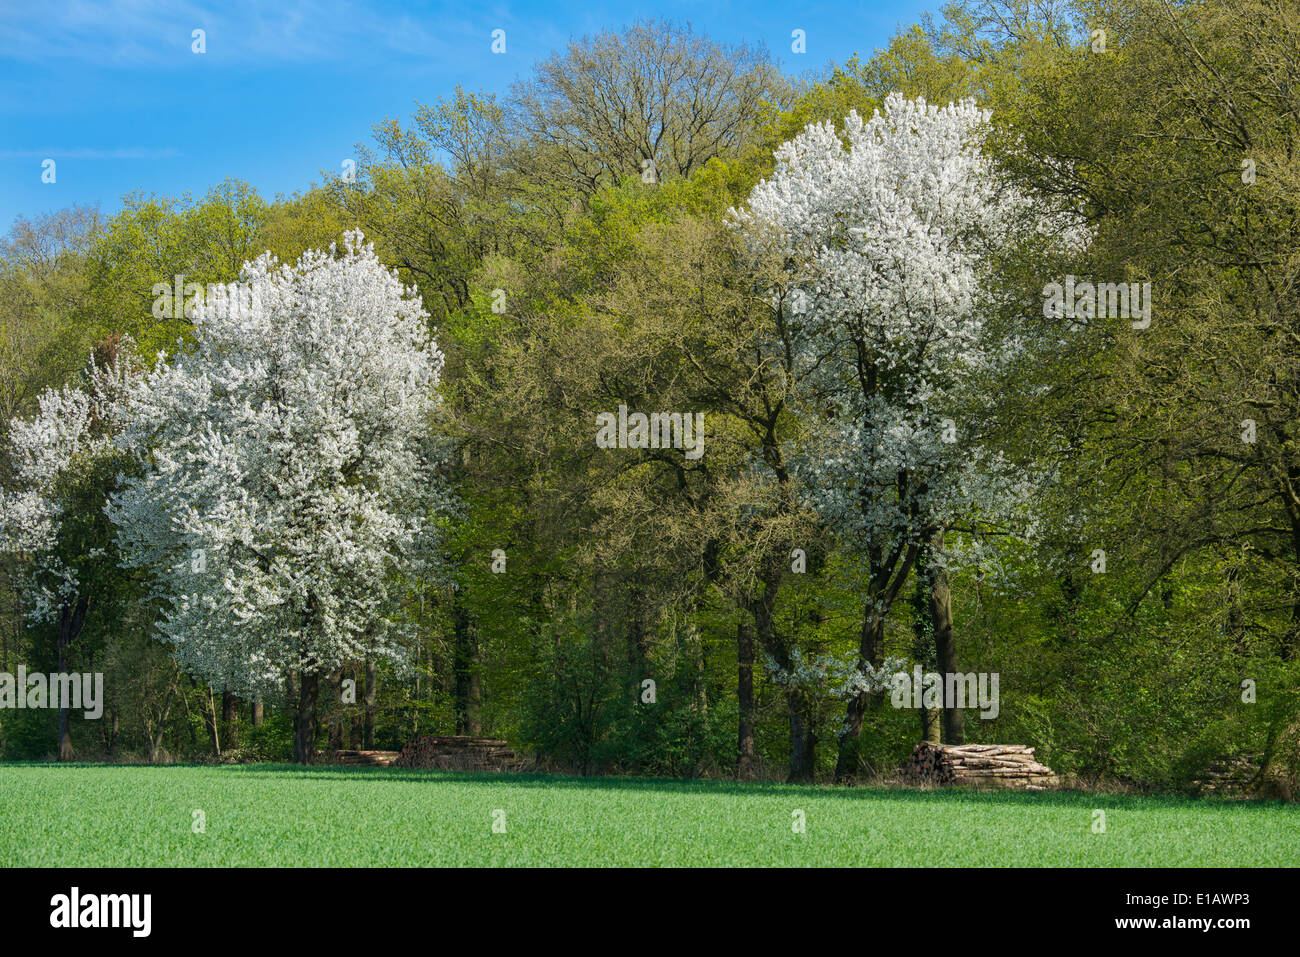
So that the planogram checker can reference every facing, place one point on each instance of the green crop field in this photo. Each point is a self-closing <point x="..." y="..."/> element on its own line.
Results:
<point x="89" y="815"/>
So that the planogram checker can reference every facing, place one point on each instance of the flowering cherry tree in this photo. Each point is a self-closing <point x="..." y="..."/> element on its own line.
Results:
<point x="888" y="236"/>
<point x="290" y="478"/>
<point x="65" y="465"/>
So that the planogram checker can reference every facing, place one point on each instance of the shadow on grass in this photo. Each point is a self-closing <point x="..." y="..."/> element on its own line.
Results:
<point x="739" y="788"/>
<point x="899" y="795"/>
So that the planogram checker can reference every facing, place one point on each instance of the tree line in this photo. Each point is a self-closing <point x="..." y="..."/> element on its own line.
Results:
<point x="373" y="504"/>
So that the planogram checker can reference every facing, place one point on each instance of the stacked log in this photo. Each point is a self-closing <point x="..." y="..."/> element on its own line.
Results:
<point x="1228" y="775"/>
<point x="365" y="759"/>
<point x="458" y="753"/>
<point x="979" y="765"/>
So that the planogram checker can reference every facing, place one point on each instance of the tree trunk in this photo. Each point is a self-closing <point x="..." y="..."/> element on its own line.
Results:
<point x="259" y="711"/>
<point x="473" y="720"/>
<point x="803" y="743"/>
<point x="66" y="752"/>
<point x="369" y="732"/>
<point x="700" y="659"/>
<point x="745" y="766"/>
<point x="189" y="718"/>
<point x="336" y="716"/>
<point x="304" y="744"/>
<point x="923" y="643"/>
<point x="801" y="746"/>
<point x="848" y="761"/>
<point x="466" y="674"/>
<point x="945" y="642"/>
<point x="71" y="620"/>
<point x="110" y="741"/>
<point x="153" y="735"/>
<point x="932" y="725"/>
<point x="887" y="579"/>
<point x="1235" y="625"/>
<point x="230" y="717"/>
<point x="210" y="719"/>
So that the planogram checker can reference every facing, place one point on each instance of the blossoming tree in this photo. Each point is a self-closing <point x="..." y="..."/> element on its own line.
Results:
<point x="291" y="475"/>
<point x="888" y="236"/>
<point x="52" y="516"/>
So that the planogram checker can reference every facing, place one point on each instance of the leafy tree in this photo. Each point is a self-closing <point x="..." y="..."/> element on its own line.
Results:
<point x="49" y="320"/>
<point x="890" y="244"/>
<point x="653" y="98"/>
<point x="66" y="466"/>
<point x="289" y="473"/>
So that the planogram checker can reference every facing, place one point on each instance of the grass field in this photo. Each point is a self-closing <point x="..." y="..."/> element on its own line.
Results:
<point x="94" y="815"/>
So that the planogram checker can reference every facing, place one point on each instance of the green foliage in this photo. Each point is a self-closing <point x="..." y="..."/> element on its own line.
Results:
<point x="271" y="741"/>
<point x="28" y="735"/>
<point x="564" y="283"/>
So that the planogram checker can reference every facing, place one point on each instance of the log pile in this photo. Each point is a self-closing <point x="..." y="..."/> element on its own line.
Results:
<point x="365" y="759"/>
<point x="458" y="753"/>
<point x="1228" y="775"/>
<point x="979" y="765"/>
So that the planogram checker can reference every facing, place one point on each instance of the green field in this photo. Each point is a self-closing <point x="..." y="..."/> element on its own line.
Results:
<point x="95" y="815"/>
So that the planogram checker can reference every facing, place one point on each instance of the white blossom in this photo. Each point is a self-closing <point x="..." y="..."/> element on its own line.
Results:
<point x="841" y="677"/>
<point x="73" y="428"/>
<point x="888" y="236"/>
<point x="290" y="481"/>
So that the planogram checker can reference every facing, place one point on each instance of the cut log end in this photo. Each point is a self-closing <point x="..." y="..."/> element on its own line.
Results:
<point x="458" y="753"/>
<point x="978" y="765"/>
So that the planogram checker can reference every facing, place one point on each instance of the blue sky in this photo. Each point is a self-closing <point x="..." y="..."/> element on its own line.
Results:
<point x="113" y="93"/>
